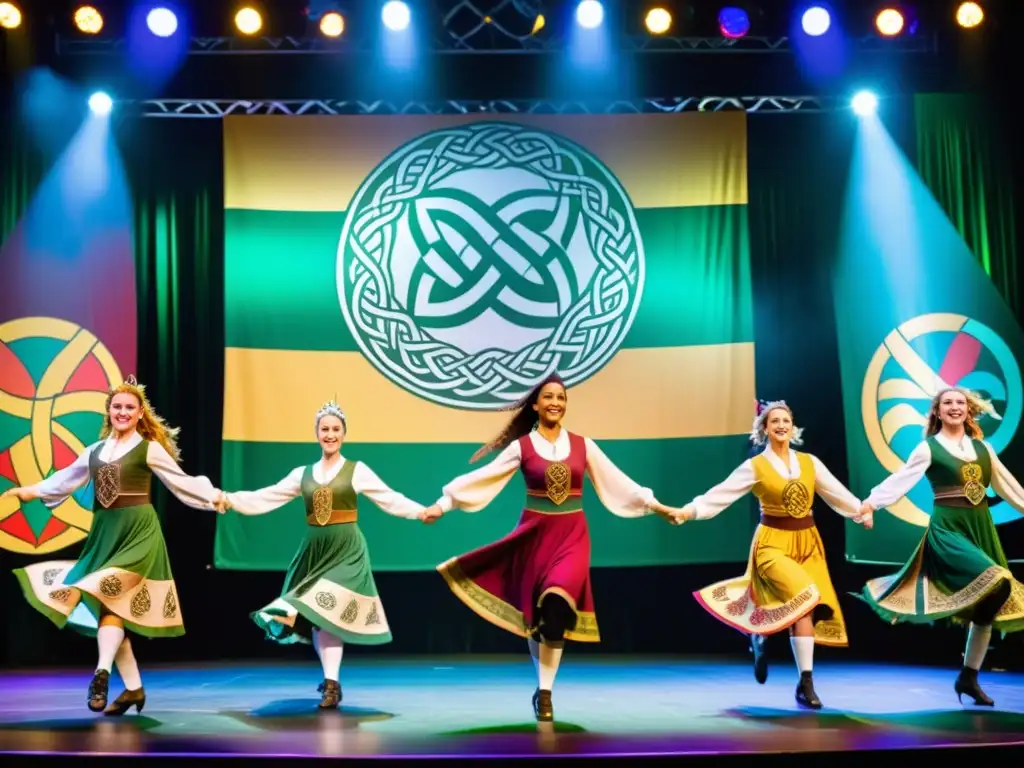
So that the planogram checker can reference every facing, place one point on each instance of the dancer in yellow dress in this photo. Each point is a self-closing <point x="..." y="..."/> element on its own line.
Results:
<point x="787" y="584"/>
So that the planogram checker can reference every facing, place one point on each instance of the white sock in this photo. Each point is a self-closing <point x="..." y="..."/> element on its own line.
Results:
<point x="534" y="654"/>
<point x="803" y="652"/>
<point x="978" y="637"/>
<point x="329" y="648"/>
<point x="127" y="667"/>
<point x="316" y="642"/>
<point x="548" y="659"/>
<point x="109" y="638"/>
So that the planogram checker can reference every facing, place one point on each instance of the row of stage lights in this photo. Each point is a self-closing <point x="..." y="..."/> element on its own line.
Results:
<point x="733" y="21"/>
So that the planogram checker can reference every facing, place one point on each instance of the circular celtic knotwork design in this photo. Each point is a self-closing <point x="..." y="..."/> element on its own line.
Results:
<point x="479" y="258"/>
<point x="326" y="600"/>
<point x="54" y="379"/>
<point x="110" y="586"/>
<point x="796" y="499"/>
<point x="60" y="595"/>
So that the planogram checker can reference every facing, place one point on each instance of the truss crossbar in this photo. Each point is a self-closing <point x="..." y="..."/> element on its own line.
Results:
<point x="216" y="109"/>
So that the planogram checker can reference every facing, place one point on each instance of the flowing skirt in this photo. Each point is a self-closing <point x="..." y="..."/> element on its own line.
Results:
<point x="123" y="570"/>
<point x="329" y="586"/>
<point x="504" y="582"/>
<point x="786" y="579"/>
<point x="958" y="563"/>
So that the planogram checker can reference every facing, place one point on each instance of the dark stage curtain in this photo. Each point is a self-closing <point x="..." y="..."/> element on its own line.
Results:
<point x="967" y="160"/>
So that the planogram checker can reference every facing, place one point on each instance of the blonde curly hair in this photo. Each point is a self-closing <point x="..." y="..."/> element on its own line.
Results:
<point x="976" y="407"/>
<point x="151" y="426"/>
<point x="759" y="431"/>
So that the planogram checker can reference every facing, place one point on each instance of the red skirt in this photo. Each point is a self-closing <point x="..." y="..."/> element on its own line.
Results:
<point x="504" y="582"/>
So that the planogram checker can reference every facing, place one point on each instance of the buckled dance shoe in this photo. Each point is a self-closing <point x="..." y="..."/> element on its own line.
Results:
<point x="805" y="695"/>
<point x="126" y="701"/>
<point x="543" y="709"/>
<point x="331" y="694"/>
<point x="760" y="658"/>
<point x="967" y="682"/>
<point x="98" y="690"/>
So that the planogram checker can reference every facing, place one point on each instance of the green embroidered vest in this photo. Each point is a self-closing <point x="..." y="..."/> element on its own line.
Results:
<point x="124" y="482"/>
<point x="955" y="481"/>
<point x="333" y="503"/>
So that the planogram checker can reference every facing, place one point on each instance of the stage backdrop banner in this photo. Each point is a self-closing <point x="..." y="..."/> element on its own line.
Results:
<point x="915" y="313"/>
<point x="428" y="270"/>
<point x="67" y="329"/>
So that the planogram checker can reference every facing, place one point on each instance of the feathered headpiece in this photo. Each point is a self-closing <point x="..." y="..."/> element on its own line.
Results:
<point x="758" y="433"/>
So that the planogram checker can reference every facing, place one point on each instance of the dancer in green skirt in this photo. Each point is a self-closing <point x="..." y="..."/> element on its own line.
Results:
<point x="122" y="580"/>
<point x="329" y="595"/>
<point x="959" y="571"/>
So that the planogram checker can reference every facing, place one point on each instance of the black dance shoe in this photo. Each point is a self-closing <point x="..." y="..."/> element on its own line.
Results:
<point x="760" y="660"/>
<point x="967" y="682"/>
<point x="331" y="698"/>
<point x="543" y="709"/>
<point x="805" y="695"/>
<point x="98" y="690"/>
<point x="126" y="701"/>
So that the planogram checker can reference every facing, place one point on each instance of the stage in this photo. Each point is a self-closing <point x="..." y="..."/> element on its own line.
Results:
<point x="479" y="707"/>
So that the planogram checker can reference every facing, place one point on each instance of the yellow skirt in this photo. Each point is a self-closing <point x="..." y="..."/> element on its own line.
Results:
<point x="787" y="578"/>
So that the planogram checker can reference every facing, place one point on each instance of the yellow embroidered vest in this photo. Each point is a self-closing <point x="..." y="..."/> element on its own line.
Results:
<point x="780" y="497"/>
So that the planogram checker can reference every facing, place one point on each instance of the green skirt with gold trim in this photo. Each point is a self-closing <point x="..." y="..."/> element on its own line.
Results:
<point x="958" y="563"/>
<point x="329" y="586"/>
<point x="123" y="570"/>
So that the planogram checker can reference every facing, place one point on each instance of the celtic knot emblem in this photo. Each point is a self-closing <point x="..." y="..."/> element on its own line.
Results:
<point x="170" y="605"/>
<point x="326" y="600"/>
<point x="372" y="617"/>
<point x="110" y="586"/>
<point x="141" y="603"/>
<point x="973" y="488"/>
<point x="795" y="499"/>
<point x="108" y="484"/>
<point x="323" y="503"/>
<point x="50" y="576"/>
<point x="351" y="612"/>
<point x="557" y="479"/>
<point x="477" y="259"/>
<point x="60" y="595"/>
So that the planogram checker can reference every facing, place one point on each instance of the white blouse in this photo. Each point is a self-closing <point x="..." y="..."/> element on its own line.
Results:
<point x="743" y="478"/>
<point x="475" y="490"/>
<point x="900" y="482"/>
<point x="196" y="492"/>
<point x="364" y="481"/>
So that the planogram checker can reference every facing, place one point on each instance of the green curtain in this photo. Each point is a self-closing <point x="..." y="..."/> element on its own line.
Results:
<point x="962" y="156"/>
<point x="22" y="165"/>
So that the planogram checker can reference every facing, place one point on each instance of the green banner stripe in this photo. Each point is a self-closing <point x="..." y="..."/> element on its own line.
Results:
<point x="282" y="266"/>
<point x="268" y="542"/>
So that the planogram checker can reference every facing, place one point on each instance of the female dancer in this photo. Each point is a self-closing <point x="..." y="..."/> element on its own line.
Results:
<point x="122" y="579"/>
<point x="329" y="594"/>
<point x="535" y="582"/>
<point x="959" y="570"/>
<point x="787" y="584"/>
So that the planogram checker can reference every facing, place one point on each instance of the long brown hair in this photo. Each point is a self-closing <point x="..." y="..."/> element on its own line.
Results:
<point x="520" y="424"/>
<point x="151" y="426"/>
<point x="975" y="407"/>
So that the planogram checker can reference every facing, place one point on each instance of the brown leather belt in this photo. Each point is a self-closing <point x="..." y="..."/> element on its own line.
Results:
<point x="338" y="517"/>
<point x="954" y="497"/>
<point x="125" y="500"/>
<point x="787" y="523"/>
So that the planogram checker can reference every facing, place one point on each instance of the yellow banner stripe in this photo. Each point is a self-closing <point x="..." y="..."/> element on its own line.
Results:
<point x="316" y="163"/>
<point x="703" y="391"/>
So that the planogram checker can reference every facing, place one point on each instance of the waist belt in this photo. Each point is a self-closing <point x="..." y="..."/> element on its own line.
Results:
<point x="337" y="517"/>
<point x="787" y="523"/>
<point x="125" y="500"/>
<point x="955" y="497"/>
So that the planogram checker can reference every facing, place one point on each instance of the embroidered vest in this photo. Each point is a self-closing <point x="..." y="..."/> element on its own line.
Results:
<point x="124" y="482"/>
<point x="956" y="482"/>
<point x="779" y="496"/>
<point x="554" y="487"/>
<point x="333" y="503"/>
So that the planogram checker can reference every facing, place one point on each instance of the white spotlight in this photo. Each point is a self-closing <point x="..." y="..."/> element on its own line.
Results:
<point x="100" y="103"/>
<point x="162" y="22"/>
<point x="395" y="15"/>
<point x="589" y="14"/>
<point x="864" y="103"/>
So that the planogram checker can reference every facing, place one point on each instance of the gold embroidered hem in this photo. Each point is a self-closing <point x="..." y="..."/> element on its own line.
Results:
<point x="502" y="614"/>
<point x="328" y="607"/>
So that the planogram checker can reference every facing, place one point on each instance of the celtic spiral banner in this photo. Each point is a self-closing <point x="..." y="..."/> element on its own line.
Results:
<point x="67" y="332"/>
<point x="428" y="270"/>
<point x="915" y="313"/>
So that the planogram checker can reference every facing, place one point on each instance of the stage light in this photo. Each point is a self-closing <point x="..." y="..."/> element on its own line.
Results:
<point x="88" y="20"/>
<point x="864" y="103"/>
<point x="733" y="22"/>
<point x="889" y="22"/>
<point x="248" y="21"/>
<point x="100" y="103"/>
<point x="658" y="21"/>
<point x="395" y="15"/>
<point x="162" y="22"/>
<point x="589" y="14"/>
<point x="332" y="24"/>
<point x="816" y="21"/>
<point x="10" y="16"/>
<point x="969" y="15"/>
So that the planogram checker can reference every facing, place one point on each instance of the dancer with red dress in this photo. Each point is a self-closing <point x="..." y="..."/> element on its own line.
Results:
<point x="535" y="582"/>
